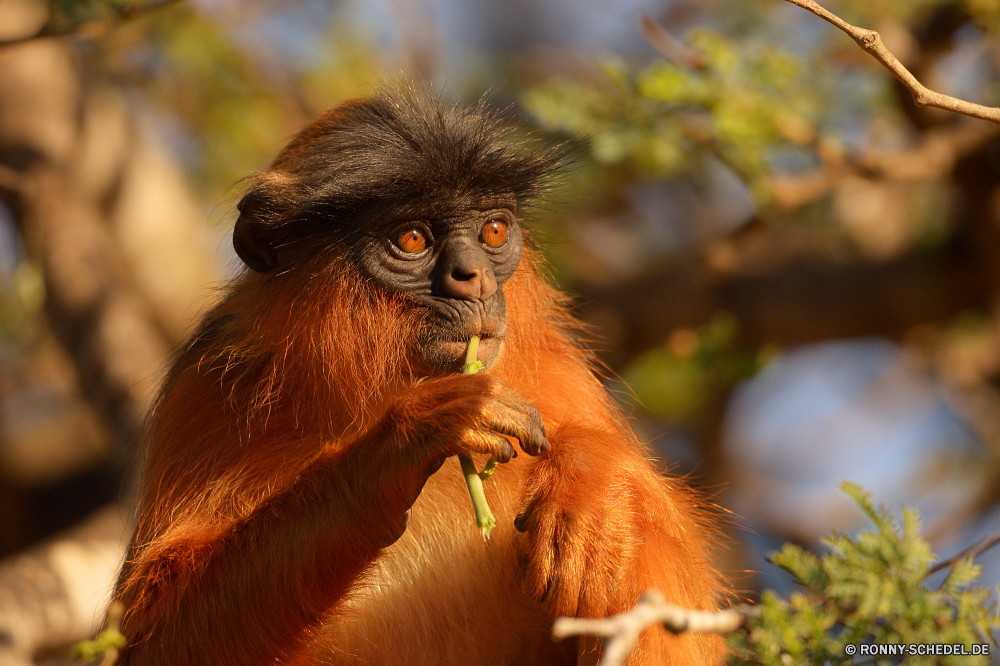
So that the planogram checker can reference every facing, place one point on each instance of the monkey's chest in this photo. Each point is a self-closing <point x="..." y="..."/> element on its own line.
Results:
<point x="443" y="595"/>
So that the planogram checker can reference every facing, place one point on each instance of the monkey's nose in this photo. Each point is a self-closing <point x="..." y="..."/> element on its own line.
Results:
<point x="469" y="282"/>
<point x="466" y="272"/>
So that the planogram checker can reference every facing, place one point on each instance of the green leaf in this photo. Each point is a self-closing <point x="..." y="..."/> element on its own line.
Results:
<point x="668" y="83"/>
<point x="963" y="573"/>
<point x="723" y="54"/>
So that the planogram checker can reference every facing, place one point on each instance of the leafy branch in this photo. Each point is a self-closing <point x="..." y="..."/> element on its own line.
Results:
<point x="107" y="643"/>
<point x="866" y="589"/>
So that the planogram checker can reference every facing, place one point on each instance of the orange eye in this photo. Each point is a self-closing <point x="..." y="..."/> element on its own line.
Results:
<point x="494" y="234"/>
<point x="412" y="241"/>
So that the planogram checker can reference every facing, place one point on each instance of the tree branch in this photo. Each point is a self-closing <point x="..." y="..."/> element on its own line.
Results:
<point x="935" y="156"/>
<point x="621" y="632"/>
<point x="970" y="553"/>
<point x="797" y="301"/>
<point x="669" y="46"/>
<point x="55" y="30"/>
<point x="870" y="41"/>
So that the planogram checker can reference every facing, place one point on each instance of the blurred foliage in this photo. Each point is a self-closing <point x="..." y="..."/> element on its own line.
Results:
<point x="234" y="104"/>
<point x="746" y="17"/>
<point x="754" y="92"/>
<point x="676" y="381"/>
<point x="663" y="121"/>
<point x="22" y="296"/>
<point x="70" y="15"/>
<point x="798" y="117"/>
<point x="735" y="100"/>
<point x="732" y="97"/>
<point x="869" y="589"/>
<point x="106" y="644"/>
<point x="985" y="12"/>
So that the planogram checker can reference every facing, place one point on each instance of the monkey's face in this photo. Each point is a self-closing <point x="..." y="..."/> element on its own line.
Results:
<point x="422" y="197"/>
<point x="455" y="267"/>
<point x="451" y="257"/>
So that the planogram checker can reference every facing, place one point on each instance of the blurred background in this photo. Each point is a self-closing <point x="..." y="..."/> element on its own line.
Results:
<point x="791" y="272"/>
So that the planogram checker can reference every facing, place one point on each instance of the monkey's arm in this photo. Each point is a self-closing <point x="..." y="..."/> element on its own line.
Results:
<point x="603" y="526"/>
<point x="209" y="591"/>
<point x="243" y="593"/>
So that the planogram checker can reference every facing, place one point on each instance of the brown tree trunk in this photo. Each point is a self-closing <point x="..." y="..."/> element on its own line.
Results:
<point x="124" y="250"/>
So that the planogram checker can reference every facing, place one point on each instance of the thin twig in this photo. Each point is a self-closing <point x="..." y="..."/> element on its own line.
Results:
<point x="870" y="41"/>
<point x="669" y="46"/>
<point x="56" y="30"/>
<point x="972" y="552"/>
<point x="621" y="632"/>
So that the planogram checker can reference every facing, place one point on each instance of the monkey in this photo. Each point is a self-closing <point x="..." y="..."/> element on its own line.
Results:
<point x="301" y="500"/>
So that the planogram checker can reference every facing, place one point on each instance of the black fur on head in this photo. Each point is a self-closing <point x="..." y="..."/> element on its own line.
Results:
<point x="402" y="152"/>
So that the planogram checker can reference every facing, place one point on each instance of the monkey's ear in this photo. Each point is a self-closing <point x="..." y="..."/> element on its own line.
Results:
<point x="251" y="238"/>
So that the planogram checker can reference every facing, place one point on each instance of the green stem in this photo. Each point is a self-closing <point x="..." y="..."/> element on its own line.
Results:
<point x="484" y="517"/>
<point x="487" y="472"/>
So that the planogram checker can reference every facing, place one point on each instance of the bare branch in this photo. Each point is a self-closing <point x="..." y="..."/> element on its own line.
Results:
<point x="621" y="632"/>
<point x="870" y="41"/>
<point x="88" y="27"/>
<point x="669" y="46"/>
<point x="935" y="156"/>
<point x="970" y="553"/>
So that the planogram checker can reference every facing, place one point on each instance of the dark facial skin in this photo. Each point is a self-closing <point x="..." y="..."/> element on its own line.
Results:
<point x="456" y="266"/>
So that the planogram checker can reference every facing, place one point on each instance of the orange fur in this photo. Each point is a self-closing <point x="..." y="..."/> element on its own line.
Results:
<point x="270" y="492"/>
<point x="224" y="566"/>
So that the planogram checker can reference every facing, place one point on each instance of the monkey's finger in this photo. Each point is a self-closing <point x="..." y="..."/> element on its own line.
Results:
<point x="503" y="410"/>
<point x="536" y="420"/>
<point x="519" y="423"/>
<point x="538" y="441"/>
<point x="477" y="440"/>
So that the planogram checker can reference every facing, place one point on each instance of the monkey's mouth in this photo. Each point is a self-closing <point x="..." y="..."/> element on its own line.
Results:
<point x="489" y="346"/>
<point x="447" y="353"/>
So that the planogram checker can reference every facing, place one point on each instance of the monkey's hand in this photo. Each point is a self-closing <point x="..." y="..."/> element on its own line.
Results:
<point x="438" y="418"/>
<point x="462" y="414"/>
<point x="603" y="526"/>
<point x="584" y="519"/>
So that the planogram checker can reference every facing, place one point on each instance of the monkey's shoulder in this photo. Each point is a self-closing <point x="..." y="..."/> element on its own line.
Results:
<point x="211" y="334"/>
